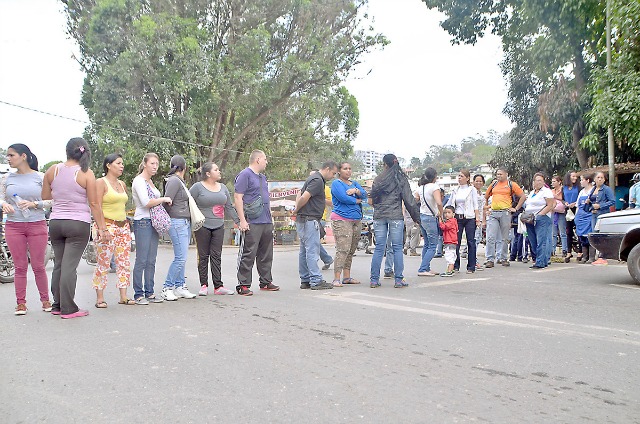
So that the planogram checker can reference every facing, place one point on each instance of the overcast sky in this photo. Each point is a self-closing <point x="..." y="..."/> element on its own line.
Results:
<point x="419" y="91"/>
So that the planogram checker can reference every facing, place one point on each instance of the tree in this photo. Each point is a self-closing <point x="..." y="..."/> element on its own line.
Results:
<point x="213" y="80"/>
<point x="616" y="91"/>
<point x="48" y="165"/>
<point x="550" y="49"/>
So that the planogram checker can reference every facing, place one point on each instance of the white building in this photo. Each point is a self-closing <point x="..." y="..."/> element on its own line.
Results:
<point x="370" y="159"/>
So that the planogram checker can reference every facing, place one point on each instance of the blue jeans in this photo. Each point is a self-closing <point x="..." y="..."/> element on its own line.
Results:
<point x="469" y="228"/>
<point x="325" y="257"/>
<point x="144" y="268"/>
<point x="180" y="233"/>
<point x="394" y="228"/>
<point x="560" y="227"/>
<point x="429" y="229"/>
<point x="309" y="235"/>
<point x="540" y="237"/>
<point x="388" y="257"/>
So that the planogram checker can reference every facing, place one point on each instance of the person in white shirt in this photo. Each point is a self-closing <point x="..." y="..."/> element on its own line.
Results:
<point x="464" y="198"/>
<point x="540" y="202"/>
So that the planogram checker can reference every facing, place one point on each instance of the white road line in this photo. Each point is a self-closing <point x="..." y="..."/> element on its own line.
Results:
<point x="448" y="282"/>
<point x="626" y="287"/>
<point x="492" y="313"/>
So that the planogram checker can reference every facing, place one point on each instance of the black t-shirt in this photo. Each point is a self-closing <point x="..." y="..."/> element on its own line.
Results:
<point x="314" y="209"/>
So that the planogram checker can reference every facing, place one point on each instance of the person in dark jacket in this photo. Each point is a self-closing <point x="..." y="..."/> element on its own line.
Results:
<point x="388" y="192"/>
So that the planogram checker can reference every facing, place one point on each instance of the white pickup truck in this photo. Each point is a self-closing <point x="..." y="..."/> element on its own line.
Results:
<point x="617" y="236"/>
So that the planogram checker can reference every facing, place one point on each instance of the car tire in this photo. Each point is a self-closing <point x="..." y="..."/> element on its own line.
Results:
<point x="633" y="263"/>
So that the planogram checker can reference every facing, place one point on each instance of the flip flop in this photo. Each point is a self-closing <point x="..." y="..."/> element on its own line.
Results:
<point x="350" y="281"/>
<point x="127" y="302"/>
<point x="336" y="283"/>
<point x="101" y="305"/>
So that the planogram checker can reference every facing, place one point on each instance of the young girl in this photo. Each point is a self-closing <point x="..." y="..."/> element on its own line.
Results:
<point x="449" y="229"/>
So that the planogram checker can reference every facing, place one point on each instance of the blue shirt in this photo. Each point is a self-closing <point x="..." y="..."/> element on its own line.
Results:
<point x="570" y="194"/>
<point x="248" y="183"/>
<point x="344" y="205"/>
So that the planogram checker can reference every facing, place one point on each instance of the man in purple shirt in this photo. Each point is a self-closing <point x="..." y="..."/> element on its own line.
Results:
<point x="251" y="186"/>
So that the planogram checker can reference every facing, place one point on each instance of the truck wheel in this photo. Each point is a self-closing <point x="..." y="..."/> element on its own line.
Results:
<point x="633" y="263"/>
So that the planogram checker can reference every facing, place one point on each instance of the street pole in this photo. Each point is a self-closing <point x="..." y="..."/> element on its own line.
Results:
<point x="610" y="144"/>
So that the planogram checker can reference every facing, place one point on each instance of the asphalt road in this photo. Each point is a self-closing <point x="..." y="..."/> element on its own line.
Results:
<point x="503" y="345"/>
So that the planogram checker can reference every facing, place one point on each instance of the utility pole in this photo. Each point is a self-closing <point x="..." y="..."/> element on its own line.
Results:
<point x="610" y="143"/>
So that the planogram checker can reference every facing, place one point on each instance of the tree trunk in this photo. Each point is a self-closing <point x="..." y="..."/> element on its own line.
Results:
<point x="577" y="132"/>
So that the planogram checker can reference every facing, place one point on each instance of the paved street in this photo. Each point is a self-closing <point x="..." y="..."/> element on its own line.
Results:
<point x="503" y="345"/>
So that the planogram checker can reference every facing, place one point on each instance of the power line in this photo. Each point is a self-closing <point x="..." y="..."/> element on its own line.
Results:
<point x="133" y="132"/>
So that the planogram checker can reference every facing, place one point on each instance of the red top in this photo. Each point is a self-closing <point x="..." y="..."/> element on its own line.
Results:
<point x="449" y="231"/>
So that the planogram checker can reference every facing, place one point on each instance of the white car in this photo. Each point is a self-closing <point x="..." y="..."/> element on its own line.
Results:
<point x="617" y="236"/>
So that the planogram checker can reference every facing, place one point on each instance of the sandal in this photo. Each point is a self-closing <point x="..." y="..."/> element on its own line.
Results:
<point x="127" y="301"/>
<point x="336" y="283"/>
<point x="101" y="305"/>
<point x="350" y="281"/>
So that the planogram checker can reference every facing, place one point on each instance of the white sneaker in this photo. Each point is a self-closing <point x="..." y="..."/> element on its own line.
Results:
<point x="223" y="290"/>
<point x="168" y="295"/>
<point x="183" y="292"/>
<point x="204" y="290"/>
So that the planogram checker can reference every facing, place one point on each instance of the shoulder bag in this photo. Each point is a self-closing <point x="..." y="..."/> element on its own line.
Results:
<point x="160" y="219"/>
<point x="197" y="217"/>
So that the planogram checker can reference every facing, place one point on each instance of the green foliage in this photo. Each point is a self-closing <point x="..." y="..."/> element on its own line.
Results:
<point x="48" y="165"/>
<point x="213" y="80"/>
<point x="550" y="50"/>
<point x="616" y="91"/>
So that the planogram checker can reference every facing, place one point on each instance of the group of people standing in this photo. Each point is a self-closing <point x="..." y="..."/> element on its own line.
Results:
<point x="83" y="207"/>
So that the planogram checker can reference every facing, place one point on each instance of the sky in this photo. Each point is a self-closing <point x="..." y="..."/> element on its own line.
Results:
<point x="417" y="92"/>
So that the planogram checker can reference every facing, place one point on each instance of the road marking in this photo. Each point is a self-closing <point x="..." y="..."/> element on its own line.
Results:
<point x="626" y="287"/>
<point x="581" y="330"/>
<point x="448" y="282"/>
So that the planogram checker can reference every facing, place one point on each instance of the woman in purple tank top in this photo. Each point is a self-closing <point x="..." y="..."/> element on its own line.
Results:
<point x="72" y="186"/>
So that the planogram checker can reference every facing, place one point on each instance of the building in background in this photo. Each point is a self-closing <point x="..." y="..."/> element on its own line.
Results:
<point x="370" y="158"/>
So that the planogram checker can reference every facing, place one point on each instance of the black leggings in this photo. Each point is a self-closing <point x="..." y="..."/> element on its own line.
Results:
<point x="209" y="244"/>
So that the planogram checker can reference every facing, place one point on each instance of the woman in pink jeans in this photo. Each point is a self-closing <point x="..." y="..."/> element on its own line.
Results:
<point x="26" y="229"/>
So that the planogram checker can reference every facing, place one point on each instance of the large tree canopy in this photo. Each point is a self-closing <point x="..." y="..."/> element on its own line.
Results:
<point x="552" y="49"/>
<point x="214" y="79"/>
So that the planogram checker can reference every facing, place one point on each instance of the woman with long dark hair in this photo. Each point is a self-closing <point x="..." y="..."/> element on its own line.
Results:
<point x="112" y="199"/>
<point x="464" y="199"/>
<point x="214" y="201"/>
<point x="559" y="224"/>
<point x="570" y="191"/>
<point x="146" y="196"/>
<point x="72" y="186"/>
<point x="175" y="285"/>
<point x="431" y="211"/>
<point x="389" y="190"/>
<point x="26" y="229"/>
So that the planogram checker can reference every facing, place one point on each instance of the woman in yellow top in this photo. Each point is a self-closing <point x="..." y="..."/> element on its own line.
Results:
<point x="112" y="199"/>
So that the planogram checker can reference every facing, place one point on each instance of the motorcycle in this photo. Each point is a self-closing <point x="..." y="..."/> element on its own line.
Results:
<point x="366" y="237"/>
<point x="7" y="269"/>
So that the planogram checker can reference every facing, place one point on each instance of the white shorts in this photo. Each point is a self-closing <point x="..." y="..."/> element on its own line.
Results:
<point x="450" y="254"/>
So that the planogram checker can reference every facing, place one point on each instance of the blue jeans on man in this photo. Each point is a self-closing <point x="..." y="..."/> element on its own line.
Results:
<point x="180" y="233"/>
<point x="309" y="235"/>
<point x="540" y="236"/>
<point x="394" y="229"/>
<point x="431" y="236"/>
<point x="144" y="268"/>
<point x="325" y="257"/>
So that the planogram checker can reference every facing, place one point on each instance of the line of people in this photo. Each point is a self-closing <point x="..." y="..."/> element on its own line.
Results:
<point x="84" y="207"/>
